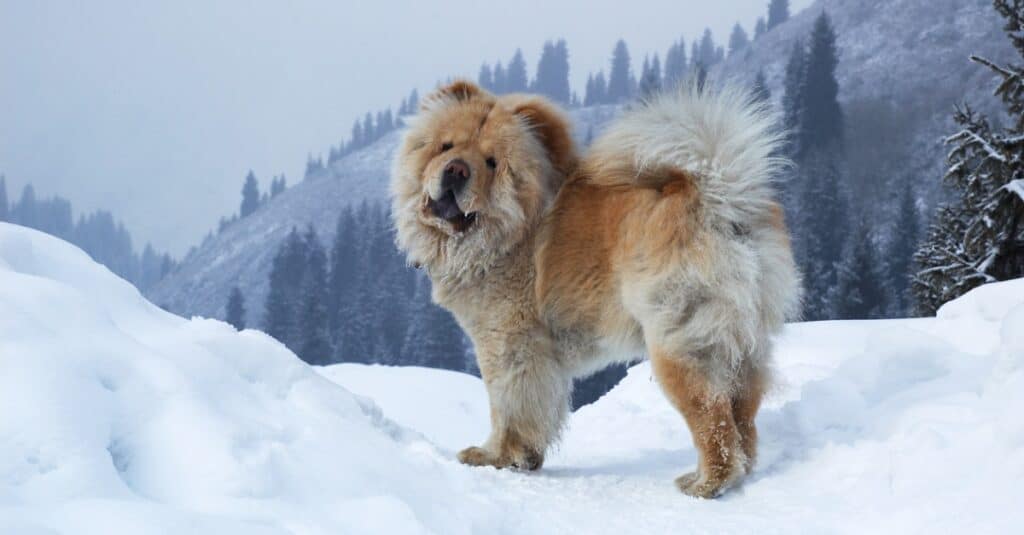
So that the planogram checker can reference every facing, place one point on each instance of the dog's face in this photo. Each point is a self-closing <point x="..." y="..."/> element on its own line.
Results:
<point x="474" y="175"/>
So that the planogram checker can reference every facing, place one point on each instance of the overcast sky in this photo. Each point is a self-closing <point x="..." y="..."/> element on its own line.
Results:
<point x="156" y="110"/>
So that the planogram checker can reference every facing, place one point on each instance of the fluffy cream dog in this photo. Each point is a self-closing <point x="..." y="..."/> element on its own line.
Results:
<point x="665" y="238"/>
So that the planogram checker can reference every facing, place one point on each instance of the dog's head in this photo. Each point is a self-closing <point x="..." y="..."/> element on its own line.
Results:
<point x="474" y="175"/>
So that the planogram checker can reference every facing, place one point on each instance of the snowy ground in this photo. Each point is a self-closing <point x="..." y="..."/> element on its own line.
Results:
<point x="116" y="417"/>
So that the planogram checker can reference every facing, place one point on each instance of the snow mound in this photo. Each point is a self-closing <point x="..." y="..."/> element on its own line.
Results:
<point x="120" y="418"/>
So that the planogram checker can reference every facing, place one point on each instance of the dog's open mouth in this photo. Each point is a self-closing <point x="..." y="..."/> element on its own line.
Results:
<point x="447" y="208"/>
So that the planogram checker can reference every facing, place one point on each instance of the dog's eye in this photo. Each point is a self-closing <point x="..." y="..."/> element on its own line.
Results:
<point x="445" y="147"/>
<point x="492" y="163"/>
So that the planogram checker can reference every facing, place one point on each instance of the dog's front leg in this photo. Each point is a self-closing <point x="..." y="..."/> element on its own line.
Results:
<point x="529" y="395"/>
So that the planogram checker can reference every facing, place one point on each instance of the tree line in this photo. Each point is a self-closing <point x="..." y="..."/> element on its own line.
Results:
<point x="99" y="234"/>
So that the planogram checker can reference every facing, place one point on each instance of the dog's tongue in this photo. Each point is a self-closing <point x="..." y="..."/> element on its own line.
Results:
<point x="446" y="207"/>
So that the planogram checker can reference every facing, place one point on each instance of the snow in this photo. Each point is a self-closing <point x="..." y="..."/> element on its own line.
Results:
<point x="1016" y="187"/>
<point x="121" y="418"/>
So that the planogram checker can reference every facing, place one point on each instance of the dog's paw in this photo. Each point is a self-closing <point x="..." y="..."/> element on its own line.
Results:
<point x="521" y="459"/>
<point x="474" y="456"/>
<point x="692" y="484"/>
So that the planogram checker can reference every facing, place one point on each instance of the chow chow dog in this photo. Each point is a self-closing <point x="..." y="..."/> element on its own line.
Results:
<point x="664" y="238"/>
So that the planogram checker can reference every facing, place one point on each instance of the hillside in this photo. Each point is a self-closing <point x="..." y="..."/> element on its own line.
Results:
<point x="903" y="65"/>
<point x="121" y="418"/>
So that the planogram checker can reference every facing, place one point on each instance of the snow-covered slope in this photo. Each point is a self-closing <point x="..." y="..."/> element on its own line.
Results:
<point x="241" y="255"/>
<point x="116" y="417"/>
<point x="912" y="54"/>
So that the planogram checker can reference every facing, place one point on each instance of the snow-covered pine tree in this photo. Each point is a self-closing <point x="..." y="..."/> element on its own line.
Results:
<point x="778" y="12"/>
<point x="314" y="344"/>
<point x="235" y="309"/>
<point x="619" y="80"/>
<point x="760" y="27"/>
<point x="980" y="237"/>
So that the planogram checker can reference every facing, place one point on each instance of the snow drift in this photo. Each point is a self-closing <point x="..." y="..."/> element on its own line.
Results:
<point x="117" y="417"/>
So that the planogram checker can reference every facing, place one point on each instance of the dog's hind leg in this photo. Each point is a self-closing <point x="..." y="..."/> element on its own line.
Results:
<point x="710" y="415"/>
<point x="746" y="400"/>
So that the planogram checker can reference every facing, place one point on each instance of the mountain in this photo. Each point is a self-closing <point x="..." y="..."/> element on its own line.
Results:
<point x="241" y="254"/>
<point x="121" y="418"/>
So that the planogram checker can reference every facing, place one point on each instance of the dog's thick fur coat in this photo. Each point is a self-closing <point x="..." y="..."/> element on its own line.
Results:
<point x="665" y="237"/>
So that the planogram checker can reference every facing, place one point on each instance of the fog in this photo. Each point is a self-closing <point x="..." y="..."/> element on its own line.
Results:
<point x="157" y="110"/>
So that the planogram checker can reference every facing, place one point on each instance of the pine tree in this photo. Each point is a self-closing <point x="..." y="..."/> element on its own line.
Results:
<point x="980" y="237"/>
<point x="707" y="54"/>
<point x="906" y="233"/>
<point x="738" y="40"/>
<point x="4" y="209"/>
<point x="500" y="83"/>
<point x="760" y="89"/>
<point x="858" y="292"/>
<point x="250" y="195"/>
<point x="414" y="101"/>
<point x="515" y="76"/>
<point x="282" y="305"/>
<point x="433" y="339"/>
<point x="553" y="72"/>
<point x="25" y="212"/>
<point x="600" y="89"/>
<point x="650" y="82"/>
<point x="619" y="79"/>
<point x="314" y="344"/>
<point x="485" y="78"/>
<point x="343" y="275"/>
<point x="822" y="121"/>
<point x="778" y="12"/>
<point x="793" y="97"/>
<point x="235" y="309"/>
<point x="369" y="130"/>
<point x="817" y="205"/>
<point x="357" y="135"/>
<point x="675" y="65"/>
<point x="760" y="28"/>
<point x="278" y="186"/>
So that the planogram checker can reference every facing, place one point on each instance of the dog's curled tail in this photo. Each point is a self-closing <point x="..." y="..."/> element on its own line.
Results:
<point x="723" y="136"/>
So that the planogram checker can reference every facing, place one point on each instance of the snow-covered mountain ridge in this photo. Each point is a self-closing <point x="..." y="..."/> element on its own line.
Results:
<point x="121" y="418"/>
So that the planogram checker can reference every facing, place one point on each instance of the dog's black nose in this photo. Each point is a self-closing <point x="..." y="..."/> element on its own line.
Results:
<point x="455" y="176"/>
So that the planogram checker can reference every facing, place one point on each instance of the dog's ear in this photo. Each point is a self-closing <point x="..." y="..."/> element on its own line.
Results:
<point x="456" y="91"/>
<point x="552" y="129"/>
